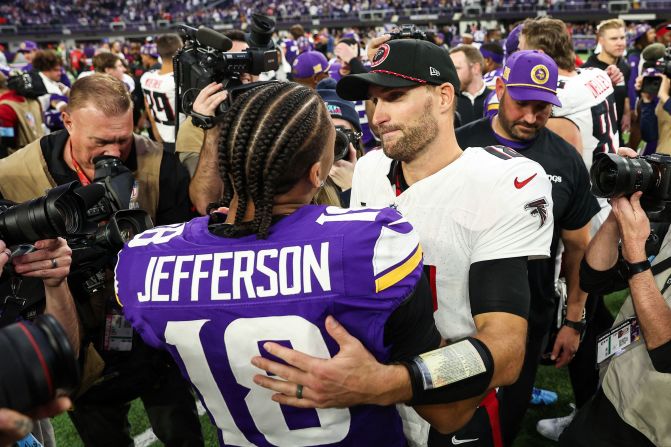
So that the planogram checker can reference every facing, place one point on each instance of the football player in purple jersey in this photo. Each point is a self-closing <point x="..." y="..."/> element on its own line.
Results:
<point x="215" y="290"/>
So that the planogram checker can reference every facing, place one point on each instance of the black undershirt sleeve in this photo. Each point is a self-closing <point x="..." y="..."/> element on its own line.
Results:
<point x="661" y="358"/>
<point x="411" y="330"/>
<point x="499" y="285"/>
<point x="601" y="282"/>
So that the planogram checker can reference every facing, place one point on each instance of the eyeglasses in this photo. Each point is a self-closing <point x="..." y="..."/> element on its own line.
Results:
<point x="344" y="137"/>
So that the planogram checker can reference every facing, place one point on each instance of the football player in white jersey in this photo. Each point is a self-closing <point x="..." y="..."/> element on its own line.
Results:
<point x="158" y="87"/>
<point x="480" y="215"/>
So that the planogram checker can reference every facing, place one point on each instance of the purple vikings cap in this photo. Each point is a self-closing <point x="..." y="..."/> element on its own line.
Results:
<point x="309" y="64"/>
<point x="531" y="76"/>
<point x="512" y="41"/>
<point x="27" y="46"/>
<point x="639" y="31"/>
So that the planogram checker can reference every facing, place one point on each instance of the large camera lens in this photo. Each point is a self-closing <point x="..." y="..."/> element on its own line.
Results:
<point x="37" y="361"/>
<point x="60" y="213"/>
<point x="123" y="226"/>
<point x="341" y="145"/>
<point x="615" y="176"/>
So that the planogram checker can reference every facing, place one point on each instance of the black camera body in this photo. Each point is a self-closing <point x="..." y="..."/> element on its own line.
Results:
<point x="29" y="85"/>
<point x="652" y="82"/>
<point x="615" y="176"/>
<point x="204" y="60"/>
<point x="408" y="31"/>
<point x="61" y="212"/>
<point x="96" y="251"/>
<point x="664" y="64"/>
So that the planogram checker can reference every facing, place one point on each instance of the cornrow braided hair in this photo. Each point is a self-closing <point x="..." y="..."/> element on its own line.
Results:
<point x="270" y="138"/>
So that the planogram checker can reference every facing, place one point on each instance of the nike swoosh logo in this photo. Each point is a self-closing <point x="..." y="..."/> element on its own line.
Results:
<point x="523" y="183"/>
<point x="456" y="441"/>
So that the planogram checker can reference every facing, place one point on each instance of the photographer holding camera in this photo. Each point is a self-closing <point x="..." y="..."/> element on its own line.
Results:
<point x="634" y="401"/>
<point x="50" y="262"/>
<point x="99" y="122"/>
<point x="20" y="119"/>
<point x="655" y="111"/>
<point x="208" y="59"/>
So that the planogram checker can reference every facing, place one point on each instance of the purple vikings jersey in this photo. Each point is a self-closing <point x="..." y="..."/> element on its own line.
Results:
<point x="490" y="77"/>
<point x="290" y="51"/>
<point x="213" y="301"/>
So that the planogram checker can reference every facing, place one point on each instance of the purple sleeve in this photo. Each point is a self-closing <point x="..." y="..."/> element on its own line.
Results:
<point x="633" y="60"/>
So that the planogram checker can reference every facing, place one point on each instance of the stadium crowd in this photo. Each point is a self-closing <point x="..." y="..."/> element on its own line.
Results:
<point x="376" y="238"/>
<point x="25" y="13"/>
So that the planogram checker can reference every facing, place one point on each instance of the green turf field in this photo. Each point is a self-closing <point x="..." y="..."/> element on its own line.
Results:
<point x="548" y="377"/>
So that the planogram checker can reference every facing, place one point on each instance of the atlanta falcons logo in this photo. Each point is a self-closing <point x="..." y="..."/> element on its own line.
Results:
<point x="538" y="208"/>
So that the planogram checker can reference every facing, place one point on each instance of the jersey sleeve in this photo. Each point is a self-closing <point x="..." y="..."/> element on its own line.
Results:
<point x="384" y="257"/>
<point x="125" y="285"/>
<point x="520" y="214"/>
<point x="132" y="277"/>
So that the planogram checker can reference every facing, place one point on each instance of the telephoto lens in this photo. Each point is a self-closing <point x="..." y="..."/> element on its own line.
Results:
<point x="616" y="176"/>
<point x="38" y="364"/>
<point x="61" y="212"/>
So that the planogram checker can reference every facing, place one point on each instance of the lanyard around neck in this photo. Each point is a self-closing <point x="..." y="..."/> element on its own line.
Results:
<point x="83" y="179"/>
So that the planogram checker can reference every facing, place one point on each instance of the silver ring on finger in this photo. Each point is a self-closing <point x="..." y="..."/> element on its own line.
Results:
<point x="54" y="263"/>
<point x="299" y="391"/>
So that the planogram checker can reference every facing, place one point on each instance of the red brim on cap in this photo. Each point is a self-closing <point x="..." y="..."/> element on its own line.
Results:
<point x="533" y="94"/>
<point x="355" y="87"/>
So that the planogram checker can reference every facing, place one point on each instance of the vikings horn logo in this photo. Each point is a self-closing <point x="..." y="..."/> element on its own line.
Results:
<point x="538" y="208"/>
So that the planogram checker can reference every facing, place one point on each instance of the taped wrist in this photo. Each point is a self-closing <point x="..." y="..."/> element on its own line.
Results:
<point x="452" y="373"/>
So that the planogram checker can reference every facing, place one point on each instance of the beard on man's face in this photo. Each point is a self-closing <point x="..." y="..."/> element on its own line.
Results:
<point x="416" y="136"/>
<point x="518" y="129"/>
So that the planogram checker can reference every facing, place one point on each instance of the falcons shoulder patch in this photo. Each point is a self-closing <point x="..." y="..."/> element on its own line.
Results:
<point x="538" y="207"/>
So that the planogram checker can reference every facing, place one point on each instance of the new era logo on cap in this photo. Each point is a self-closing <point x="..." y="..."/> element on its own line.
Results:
<point x="433" y="72"/>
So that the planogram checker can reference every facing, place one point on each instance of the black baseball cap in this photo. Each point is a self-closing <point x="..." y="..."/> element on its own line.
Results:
<point x="402" y="63"/>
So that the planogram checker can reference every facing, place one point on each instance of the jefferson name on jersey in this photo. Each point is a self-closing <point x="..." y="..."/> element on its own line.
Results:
<point x="311" y="266"/>
<point x="216" y="276"/>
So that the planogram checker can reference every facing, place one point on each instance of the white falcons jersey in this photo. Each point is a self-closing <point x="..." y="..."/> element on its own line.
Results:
<point x="159" y="91"/>
<point x="588" y="100"/>
<point x="490" y="203"/>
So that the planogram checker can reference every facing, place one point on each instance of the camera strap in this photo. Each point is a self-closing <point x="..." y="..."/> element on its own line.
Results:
<point x="12" y="305"/>
<point x="80" y="172"/>
<point x="659" y="268"/>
